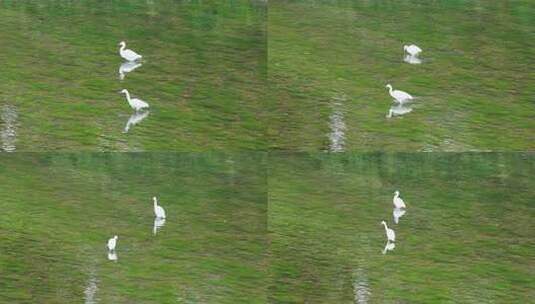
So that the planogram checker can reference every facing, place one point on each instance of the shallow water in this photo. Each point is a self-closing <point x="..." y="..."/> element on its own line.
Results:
<point x="466" y="235"/>
<point x="203" y="74"/>
<point x="474" y="87"/>
<point x="58" y="211"/>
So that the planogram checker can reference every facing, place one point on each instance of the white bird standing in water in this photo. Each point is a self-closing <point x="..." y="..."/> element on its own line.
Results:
<point x="412" y="50"/>
<point x="398" y="95"/>
<point x="158" y="210"/>
<point x="128" y="54"/>
<point x="390" y="234"/>
<point x="112" y="243"/>
<point x="135" y="103"/>
<point x="398" y="202"/>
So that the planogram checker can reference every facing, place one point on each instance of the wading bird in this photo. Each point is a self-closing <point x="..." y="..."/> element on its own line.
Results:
<point x="398" y="202"/>
<point x="412" y="49"/>
<point x="112" y="243"/>
<point x="158" y="210"/>
<point x="390" y="234"/>
<point x="398" y="95"/>
<point x="128" y="54"/>
<point x="135" y="103"/>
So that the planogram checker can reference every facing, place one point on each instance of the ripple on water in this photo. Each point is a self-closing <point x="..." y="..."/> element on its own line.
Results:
<point x="91" y="289"/>
<point x="337" y="125"/>
<point x="361" y="288"/>
<point x="8" y="132"/>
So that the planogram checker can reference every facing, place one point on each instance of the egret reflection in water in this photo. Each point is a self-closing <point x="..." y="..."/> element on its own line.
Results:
<point x="398" y="110"/>
<point x="112" y="256"/>
<point x="127" y="67"/>
<point x="158" y="224"/>
<point x="389" y="246"/>
<point x="136" y="118"/>
<point x="398" y="213"/>
<point x="410" y="59"/>
<point x="8" y="133"/>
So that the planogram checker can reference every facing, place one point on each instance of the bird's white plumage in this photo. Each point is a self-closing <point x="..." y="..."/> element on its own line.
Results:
<point x="112" y="243"/>
<point x="398" y="202"/>
<point x="159" y="212"/>
<point x="390" y="234"/>
<point x="135" y="103"/>
<point x="398" y="95"/>
<point x="127" y="53"/>
<point x="412" y="49"/>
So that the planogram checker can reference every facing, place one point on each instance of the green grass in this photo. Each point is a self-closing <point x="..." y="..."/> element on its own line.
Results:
<point x="466" y="236"/>
<point x="60" y="209"/>
<point x="204" y="74"/>
<point x="474" y="89"/>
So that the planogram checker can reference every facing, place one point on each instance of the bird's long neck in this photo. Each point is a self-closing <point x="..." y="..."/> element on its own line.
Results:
<point x="122" y="48"/>
<point x="127" y="96"/>
<point x="396" y="195"/>
<point x="390" y="89"/>
<point x="386" y="228"/>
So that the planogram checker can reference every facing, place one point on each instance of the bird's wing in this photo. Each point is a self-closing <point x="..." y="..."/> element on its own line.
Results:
<point x="130" y="53"/>
<point x="140" y="102"/>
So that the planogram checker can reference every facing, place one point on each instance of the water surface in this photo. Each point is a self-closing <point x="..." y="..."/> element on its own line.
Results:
<point x="474" y="87"/>
<point x="59" y="210"/>
<point x="203" y="74"/>
<point x="466" y="235"/>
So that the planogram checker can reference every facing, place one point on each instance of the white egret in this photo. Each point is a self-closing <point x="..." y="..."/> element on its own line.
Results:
<point x="128" y="54"/>
<point x="398" y="202"/>
<point x="398" y="213"/>
<point x="112" y="243"/>
<point x="412" y="49"/>
<point x="158" y="210"/>
<point x="398" y="95"/>
<point x="135" y="103"/>
<point x="390" y="234"/>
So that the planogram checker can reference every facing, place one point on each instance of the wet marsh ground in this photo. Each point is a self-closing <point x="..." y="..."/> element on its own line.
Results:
<point x="203" y="74"/>
<point x="329" y="62"/>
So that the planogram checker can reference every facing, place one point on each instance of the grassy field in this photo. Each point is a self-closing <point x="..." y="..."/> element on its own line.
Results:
<point x="467" y="235"/>
<point x="203" y="74"/>
<point x="329" y="62"/>
<point x="58" y="211"/>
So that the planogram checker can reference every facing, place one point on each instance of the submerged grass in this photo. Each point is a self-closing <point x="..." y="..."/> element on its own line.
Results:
<point x="203" y="74"/>
<point x="60" y="209"/>
<point x="474" y="88"/>
<point x="466" y="236"/>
